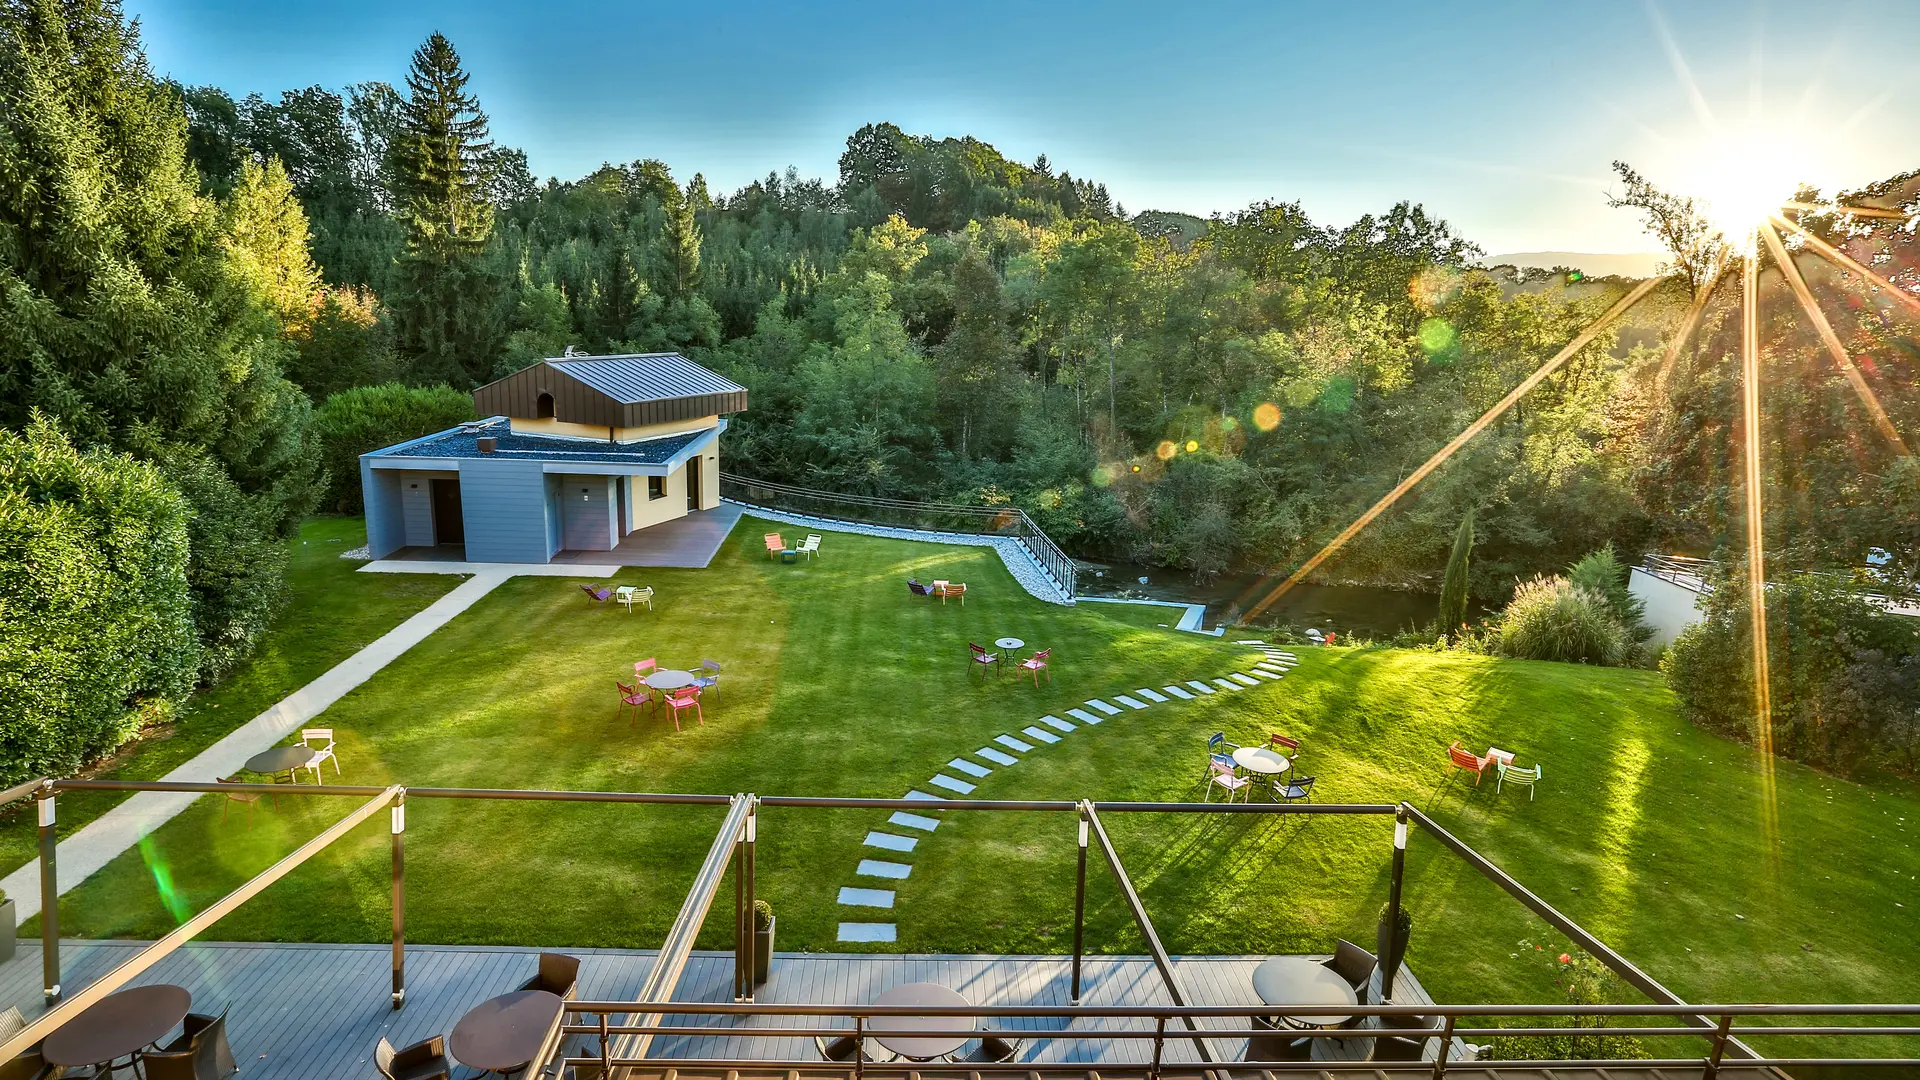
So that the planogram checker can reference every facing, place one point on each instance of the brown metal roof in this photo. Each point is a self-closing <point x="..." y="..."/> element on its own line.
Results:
<point x="615" y="391"/>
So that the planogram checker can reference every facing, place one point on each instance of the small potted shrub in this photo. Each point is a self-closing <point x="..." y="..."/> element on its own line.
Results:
<point x="7" y="927"/>
<point x="1391" y="954"/>
<point x="762" y="940"/>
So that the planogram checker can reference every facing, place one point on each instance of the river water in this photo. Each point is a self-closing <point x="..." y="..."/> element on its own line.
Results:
<point x="1364" y="609"/>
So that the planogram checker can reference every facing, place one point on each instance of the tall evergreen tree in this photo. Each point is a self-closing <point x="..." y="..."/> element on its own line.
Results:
<point x="1453" y="587"/>
<point x="445" y="307"/>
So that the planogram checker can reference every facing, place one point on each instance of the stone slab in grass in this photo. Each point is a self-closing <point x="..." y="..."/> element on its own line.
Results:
<point x="1151" y="695"/>
<point x="1131" y="703"/>
<point x="1012" y="743"/>
<point x="1265" y="674"/>
<point x="866" y="931"/>
<point x="1250" y="641"/>
<point x="1084" y="716"/>
<point x="1177" y="692"/>
<point x="969" y="767"/>
<point x="1244" y="680"/>
<point x="877" y="868"/>
<point x="1200" y="686"/>
<point x="914" y="821"/>
<point x="890" y="842"/>
<point x="1104" y="707"/>
<point x="1225" y="684"/>
<point x="853" y="897"/>
<point x="1056" y="723"/>
<point x="1041" y="734"/>
<point x="921" y="796"/>
<point x="995" y="756"/>
<point x="951" y="784"/>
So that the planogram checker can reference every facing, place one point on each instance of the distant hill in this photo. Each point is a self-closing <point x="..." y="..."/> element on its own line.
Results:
<point x="1642" y="265"/>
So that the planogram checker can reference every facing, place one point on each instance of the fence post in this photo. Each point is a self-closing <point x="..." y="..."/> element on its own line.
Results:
<point x="399" y="816"/>
<point x="1446" y="1047"/>
<point x="49" y="897"/>
<point x="1720" y="1035"/>
<point x="742" y="929"/>
<point x="753" y="938"/>
<point x="1393" y="905"/>
<point x="1159" y="1041"/>
<point x="1080" y="906"/>
<point x="859" y="1047"/>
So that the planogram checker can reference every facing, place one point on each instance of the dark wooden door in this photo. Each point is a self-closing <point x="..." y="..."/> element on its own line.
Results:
<point x="448" y="526"/>
<point x="693" y="483"/>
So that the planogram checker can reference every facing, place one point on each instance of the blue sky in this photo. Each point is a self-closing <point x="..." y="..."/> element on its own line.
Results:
<point x="1501" y="117"/>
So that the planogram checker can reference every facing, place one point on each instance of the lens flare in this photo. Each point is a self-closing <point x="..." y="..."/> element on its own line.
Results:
<point x="1437" y="336"/>
<point x="1741" y="177"/>
<point x="170" y="897"/>
<point x="1266" y="416"/>
<point x="1842" y="259"/>
<point x="1756" y="545"/>
<point x="1165" y="450"/>
<point x="1193" y="446"/>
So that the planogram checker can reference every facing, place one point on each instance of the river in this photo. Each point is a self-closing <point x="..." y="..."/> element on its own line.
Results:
<point x="1363" y="609"/>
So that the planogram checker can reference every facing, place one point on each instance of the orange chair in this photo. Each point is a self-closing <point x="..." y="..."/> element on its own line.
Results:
<point x="1458" y="757"/>
<point x="951" y="588"/>
<point x="632" y="696"/>
<point x="687" y="697"/>
<point x="1037" y="663"/>
<point x="775" y="545"/>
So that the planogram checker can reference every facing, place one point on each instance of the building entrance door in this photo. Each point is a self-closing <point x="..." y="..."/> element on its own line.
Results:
<point x="448" y="526"/>
<point x="694" y="485"/>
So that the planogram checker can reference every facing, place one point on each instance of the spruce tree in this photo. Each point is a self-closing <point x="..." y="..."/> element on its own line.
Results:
<point x="1453" y="587"/>
<point x="445" y="305"/>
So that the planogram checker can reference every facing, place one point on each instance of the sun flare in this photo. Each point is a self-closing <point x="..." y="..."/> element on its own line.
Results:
<point x="1740" y="178"/>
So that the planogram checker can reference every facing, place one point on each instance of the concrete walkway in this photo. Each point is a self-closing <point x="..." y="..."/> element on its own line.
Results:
<point x="103" y="839"/>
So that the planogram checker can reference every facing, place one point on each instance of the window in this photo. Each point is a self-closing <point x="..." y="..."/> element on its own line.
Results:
<point x="543" y="407"/>
<point x="656" y="487"/>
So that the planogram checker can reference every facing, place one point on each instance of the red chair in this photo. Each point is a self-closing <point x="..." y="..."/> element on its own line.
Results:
<point x="1037" y="663"/>
<point x="687" y="697"/>
<point x="982" y="658"/>
<point x="631" y="696"/>
<point x="1288" y="748"/>
<point x="1458" y="757"/>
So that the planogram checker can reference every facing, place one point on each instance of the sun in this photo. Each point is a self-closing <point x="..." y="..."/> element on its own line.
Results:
<point x="1740" y="177"/>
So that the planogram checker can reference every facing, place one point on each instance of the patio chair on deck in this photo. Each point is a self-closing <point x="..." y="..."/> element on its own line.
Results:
<point x="841" y="1049"/>
<point x="424" y="1060"/>
<point x="993" y="1050"/>
<point x="559" y="975"/>
<point x="1279" y="1048"/>
<point x="1355" y="965"/>
<point x="1504" y="773"/>
<point x="1459" y="757"/>
<point x="1222" y="771"/>
<point x="1402" y="1047"/>
<point x="200" y="1053"/>
<point x="29" y="1065"/>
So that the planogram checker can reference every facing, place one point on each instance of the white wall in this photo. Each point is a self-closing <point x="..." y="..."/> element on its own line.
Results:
<point x="643" y="511"/>
<point x="1670" y="608"/>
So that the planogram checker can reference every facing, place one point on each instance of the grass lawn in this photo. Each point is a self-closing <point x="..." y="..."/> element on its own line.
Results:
<point x="840" y="683"/>
<point x="331" y="614"/>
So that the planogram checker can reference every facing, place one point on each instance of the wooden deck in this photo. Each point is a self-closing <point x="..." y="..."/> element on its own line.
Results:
<point x="690" y="541"/>
<point x="314" y="1012"/>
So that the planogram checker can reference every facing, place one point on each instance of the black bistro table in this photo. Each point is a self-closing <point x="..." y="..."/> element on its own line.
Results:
<point x="502" y="1034"/>
<point x="117" y="1026"/>
<point x="282" y="759"/>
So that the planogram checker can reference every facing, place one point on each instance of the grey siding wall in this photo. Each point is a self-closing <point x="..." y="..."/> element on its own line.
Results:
<point x="416" y="507"/>
<point x="554" y="532"/>
<point x="381" y="490"/>
<point x="589" y="510"/>
<point x="504" y="507"/>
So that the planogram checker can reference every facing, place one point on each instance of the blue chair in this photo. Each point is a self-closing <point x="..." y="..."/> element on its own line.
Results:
<point x="710" y="681"/>
<point x="1217" y="745"/>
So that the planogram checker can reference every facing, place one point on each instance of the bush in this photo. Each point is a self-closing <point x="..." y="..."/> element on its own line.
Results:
<point x="237" y="571"/>
<point x="96" y="630"/>
<point x="366" y="418"/>
<point x="1553" y="619"/>
<point x="1603" y="574"/>
<point x="1841" y="671"/>
<point x="1584" y="981"/>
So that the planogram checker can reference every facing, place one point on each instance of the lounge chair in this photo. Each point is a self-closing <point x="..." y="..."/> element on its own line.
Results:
<point x="1459" y="757"/>
<point x="775" y="545"/>
<point x="558" y="974"/>
<point x="918" y="589"/>
<point x="810" y="546"/>
<point x="631" y="595"/>
<point x="424" y="1060"/>
<point x="597" y="593"/>
<point x="1504" y="773"/>
<point x="951" y="588"/>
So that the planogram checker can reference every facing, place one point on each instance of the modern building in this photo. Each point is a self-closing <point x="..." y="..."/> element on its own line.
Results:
<point x="577" y="454"/>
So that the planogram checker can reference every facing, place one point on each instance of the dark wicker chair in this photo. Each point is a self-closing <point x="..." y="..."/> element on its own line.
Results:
<point x="841" y="1049"/>
<point x="200" y="1053"/>
<point x="29" y="1065"/>
<point x="1355" y="965"/>
<point x="1279" y="1048"/>
<point x="426" y="1060"/>
<point x="993" y="1050"/>
<point x="558" y="974"/>
<point x="1400" y="1047"/>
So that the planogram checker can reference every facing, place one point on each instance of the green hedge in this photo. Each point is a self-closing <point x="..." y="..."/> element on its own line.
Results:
<point x="353" y="422"/>
<point x="96" y="618"/>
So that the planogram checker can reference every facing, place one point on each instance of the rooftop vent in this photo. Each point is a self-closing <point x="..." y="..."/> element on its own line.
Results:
<point x="487" y="444"/>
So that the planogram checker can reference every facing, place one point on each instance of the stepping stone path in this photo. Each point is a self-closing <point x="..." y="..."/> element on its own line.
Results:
<point x="1272" y="667"/>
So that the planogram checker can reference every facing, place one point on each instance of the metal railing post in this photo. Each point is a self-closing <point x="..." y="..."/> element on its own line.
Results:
<point x="1393" y="905"/>
<point x="753" y="938"/>
<point x="859" y="1047"/>
<point x="1080" y="907"/>
<point x="1720" y="1035"/>
<point x="49" y="896"/>
<point x="1446" y="1047"/>
<point x="1159" y="1043"/>
<point x="739" y="918"/>
<point x="400" y="899"/>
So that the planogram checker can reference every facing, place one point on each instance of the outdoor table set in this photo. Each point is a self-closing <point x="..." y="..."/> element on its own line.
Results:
<point x="502" y="1034"/>
<point x="120" y="1025"/>
<point x="932" y="1038"/>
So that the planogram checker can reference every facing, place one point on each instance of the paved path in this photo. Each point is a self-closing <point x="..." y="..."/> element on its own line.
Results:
<point x="101" y="840"/>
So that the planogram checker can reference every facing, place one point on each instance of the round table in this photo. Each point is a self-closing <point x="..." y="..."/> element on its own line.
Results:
<point x="922" y="1048"/>
<point x="1261" y="759"/>
<point x="1009" y="643"/>
<point x="669" y="679"/>
<point x="117" y="1026"/>
<point x="502" y="1034"/>
<point x="282" y="759"/>
<point x="1292" y="980"/>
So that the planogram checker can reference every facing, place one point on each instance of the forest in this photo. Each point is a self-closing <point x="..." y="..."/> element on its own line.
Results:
<point x="235" y="295"/>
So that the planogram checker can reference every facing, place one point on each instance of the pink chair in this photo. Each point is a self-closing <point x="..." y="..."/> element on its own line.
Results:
<point x="1037" y="663"/>
<point x="1222" y="769"/>
<point x="641" y="669"/>
<point x="631" y="696"/>
<point x="687" y="697"/>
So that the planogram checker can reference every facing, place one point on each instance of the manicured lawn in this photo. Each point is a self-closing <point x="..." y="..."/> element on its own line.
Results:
<point x="331" y="614"/>
<point x="839" y="683"/>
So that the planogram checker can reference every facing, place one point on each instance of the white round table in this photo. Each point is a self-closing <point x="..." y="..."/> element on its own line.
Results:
<point x="1009" y="643"/>
<point x="1294" y="980"/>
<point x="1261" y="759"/>
<point x="669" y="679"/>
<point x="921" y="1048"/>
